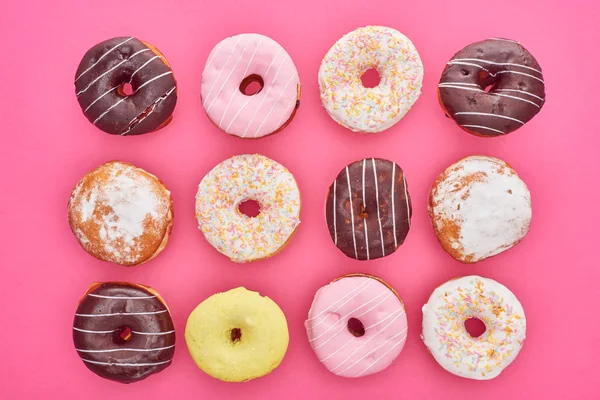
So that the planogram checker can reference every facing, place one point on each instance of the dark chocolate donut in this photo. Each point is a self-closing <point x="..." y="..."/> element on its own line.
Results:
<point x="516" y="87"/>
<point x="368" y="209"/>
<point x="123" y="331"/>
<point x="102" y="74"/>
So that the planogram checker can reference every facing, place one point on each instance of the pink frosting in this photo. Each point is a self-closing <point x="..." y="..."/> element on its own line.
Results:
<point x="236" y="58"/>
<point x="372" y="303"/>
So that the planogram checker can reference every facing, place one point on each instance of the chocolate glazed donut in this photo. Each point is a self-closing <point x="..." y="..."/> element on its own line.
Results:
<point x="515" y="80"/>
<point x="368" y="209"/>
<point x="100" y="80"/>
<point x="123" y="332"/>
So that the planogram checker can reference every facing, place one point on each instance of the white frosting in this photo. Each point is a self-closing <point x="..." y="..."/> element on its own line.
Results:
<point x="487" y="201"/>
<point x="375" y="109"/>
<point x="444" y="334"/>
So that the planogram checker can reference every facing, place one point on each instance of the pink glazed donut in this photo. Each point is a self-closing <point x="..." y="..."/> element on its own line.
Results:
<point x="233" y="66"/>
<point x="357" y="325"/>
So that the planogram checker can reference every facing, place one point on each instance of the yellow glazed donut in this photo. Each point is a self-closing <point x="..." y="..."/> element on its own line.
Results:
<point x="237" y="336"/>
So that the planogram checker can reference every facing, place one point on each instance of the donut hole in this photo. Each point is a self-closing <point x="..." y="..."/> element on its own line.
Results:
<point x="370" y="78"/>
<point x="250" y="208"/>
<point x="489" y="88"/>
<point x="475" y="327"/>
<point x="236" y="335"/>
<point x="355" y="327"/>
<point x="122" y="335"/>
<point x="125" y="89"/>
<point x="252" y="84"/>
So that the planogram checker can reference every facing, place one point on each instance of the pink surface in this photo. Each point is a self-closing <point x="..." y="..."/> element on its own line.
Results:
<point x="48" y="145"/>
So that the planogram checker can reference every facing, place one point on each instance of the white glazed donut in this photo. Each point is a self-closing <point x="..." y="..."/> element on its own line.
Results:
<point x="479" y="207"/>
<point x="248" y="177"/>
<point x="370" y="109"/>
<point x="232" y="65"/>
<point x="444" y="333"/>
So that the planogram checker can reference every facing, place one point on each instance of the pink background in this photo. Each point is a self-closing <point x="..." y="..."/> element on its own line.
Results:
<point x="48" y="145"/>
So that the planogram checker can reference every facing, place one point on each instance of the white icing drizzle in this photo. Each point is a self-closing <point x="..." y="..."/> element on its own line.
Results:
<point x="496" y="63"/>
<point x="154" y="105"/>
<point x="394" y="206"/>
<point x="482" y="127"/>
<point x="351" y="212"/>
<point x="109" y="108"/>
<point x="252" y="97"/>
<point x="521" y="73"/>
<point x="124" y="349"/>
<point x="459" y="87"/>
<point x="125" y="313"/>
<point x="245" y="72"/>
<point x="152" y="80"/>
<point x="458" y="83"/>
<point x="221" y="71"/>
<point x="102" y="56"/>
<point x="274" y="104"/>
<point x="454" y="62"/>
<point x="354" y="292"/>
<point x="488" y="114"/>
<point x="134" y="332"/>
<point x="364" y="204"/>
<point x="334" y="213"/>
<point x="215" y="97"/>
<point x="364" y="344"/>
<point x="343" y="318"/>
<point x="126" y="364"/>
<point x="519" y="91"/>
<point x="214" y="54"/>
<point x="344" y="326"/>
<point x="377" y="199"/>
<point x="110" y="70"/>
<point x="120" y="297"/>
<point x="517" y="98"/>
<point x="384" y="354"/>
<point x="101" y="96"/>
<point x="266" y="95"/>
<point x="406" y="198"/>
<point x="142" y="66"/>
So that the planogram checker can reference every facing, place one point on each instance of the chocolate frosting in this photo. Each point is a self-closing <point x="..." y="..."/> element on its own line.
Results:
<point x="108" y="65"/>
<point x="116" y="327"/>
<point x="516" y="94"/>
<point x="369" y="218"/>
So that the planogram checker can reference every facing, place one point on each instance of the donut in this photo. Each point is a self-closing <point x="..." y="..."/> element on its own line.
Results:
<point x="237" y="336"/>
<point x="123" y="331"/>
<point x="370" y="110"/>
<point x="491" y="88"/>
<point x="103" y="75"/>
<point x="356" y="325"/>
<point x="234" y="181"/>
<point x="372" y="218"/>
<point x="447" y="339"/>
<point x="233" y="65"/>
<point x="479" y="207"/>
<point x="121" y="214"/>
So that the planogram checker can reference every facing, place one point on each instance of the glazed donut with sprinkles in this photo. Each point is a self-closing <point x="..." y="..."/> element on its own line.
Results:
<point x="491" y="88"/>
<point x="123" y="331"/>
<point x="105" y="72"/>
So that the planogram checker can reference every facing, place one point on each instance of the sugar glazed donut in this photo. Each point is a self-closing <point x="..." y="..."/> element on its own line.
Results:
<point x="232" y="66"/>
<point x="400" y="70"/>
<point x="368" y="209"/>
<point x="514" y="78"/>
<point x="479" y="207"/>
<point x="232" y="182"/>
<point x="237" y="336"/>
<point x="100" y="87"/>
<point x="357" y="325"/>
<point x="447" y="339"/>
<point x="123" y="331"/>
<point x="120" y="213"/>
